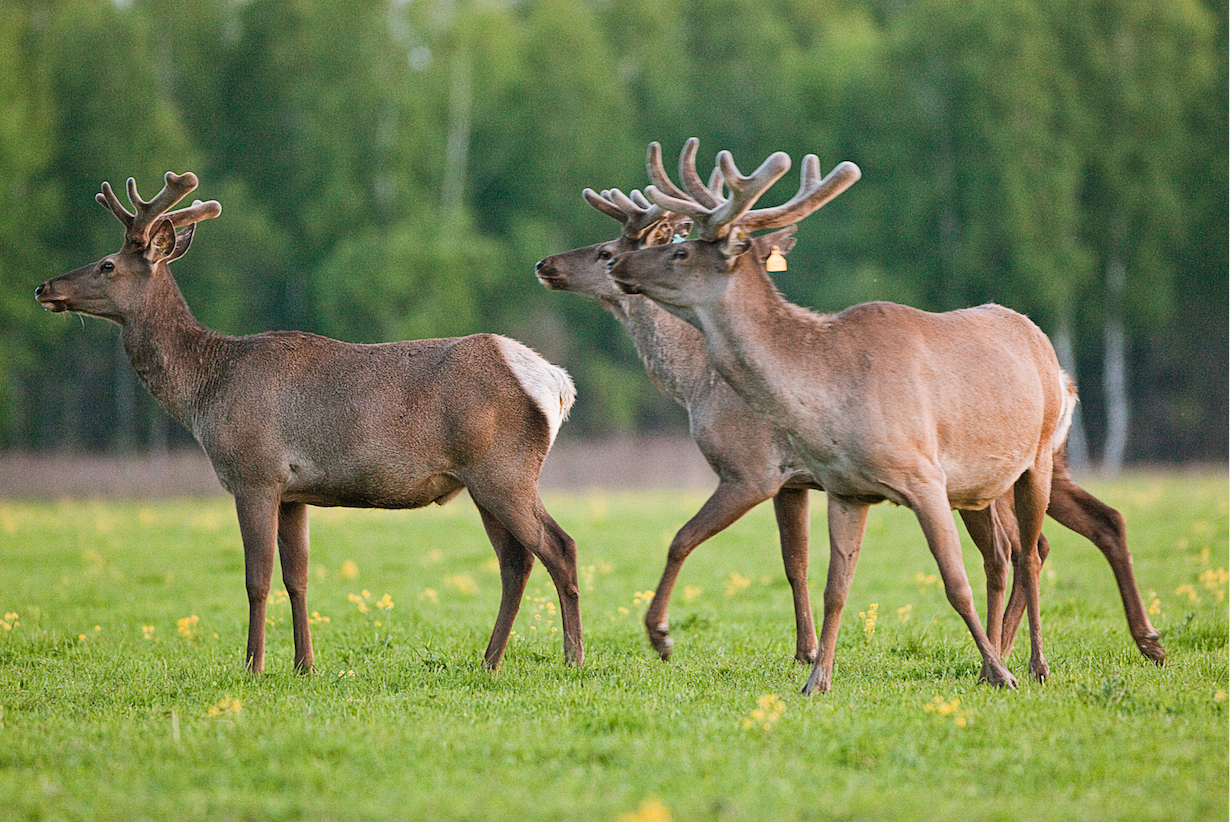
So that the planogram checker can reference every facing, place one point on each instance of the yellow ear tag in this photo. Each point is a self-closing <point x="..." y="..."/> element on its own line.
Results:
<point x="776" y="261"/>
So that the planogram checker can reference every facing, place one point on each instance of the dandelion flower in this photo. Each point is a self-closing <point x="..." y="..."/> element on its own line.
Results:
<point x="650" y="810"/>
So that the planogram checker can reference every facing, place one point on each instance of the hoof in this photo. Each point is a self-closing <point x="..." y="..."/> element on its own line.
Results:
<point x="661" y="641"/>
<point x="998" y="677"/>
<point x="1152" y="650"/>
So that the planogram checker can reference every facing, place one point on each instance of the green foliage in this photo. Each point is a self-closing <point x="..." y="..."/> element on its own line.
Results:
<point x="122" y="695"/>
<point x="392" y="169"/>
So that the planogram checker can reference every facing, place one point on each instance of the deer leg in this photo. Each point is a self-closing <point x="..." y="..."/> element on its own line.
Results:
<point x="1077" y="509"/>
<point x="790" y="506"/>
<point x="847" y="522"/>
<point x="515" y="561"/>
<point x="938" y="526"/>
<point x="293" y="553"/>
<point x="729" y="502"/>
<point x="985" y="530"/>
<point x="1031" y="492"/>
<point x="258" y="525"/>
<point x="531" y="525"/>
<point x="1014" y="612"/>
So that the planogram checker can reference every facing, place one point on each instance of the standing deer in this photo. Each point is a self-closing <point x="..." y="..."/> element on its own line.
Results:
<point x="754" y="461"/>
<point x="290" y="419"/>
<point x="750" y="457"/>
<point x="884" y="402"/>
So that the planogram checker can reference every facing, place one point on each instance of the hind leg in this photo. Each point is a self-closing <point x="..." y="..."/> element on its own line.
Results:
<point x="985" y="530"/>
<point x="515" y="564"/>
<point x="525" y="518"/>
<point x="1030" y="494"/>
<point x="1075" y="508"/>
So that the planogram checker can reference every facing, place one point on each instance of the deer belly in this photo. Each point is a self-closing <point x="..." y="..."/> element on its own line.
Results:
<point x="370" y="489"/>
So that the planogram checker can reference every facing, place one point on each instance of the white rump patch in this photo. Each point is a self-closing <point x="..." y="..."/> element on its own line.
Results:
<point x="1067" y="390"/>
<point x="548" y="386"/>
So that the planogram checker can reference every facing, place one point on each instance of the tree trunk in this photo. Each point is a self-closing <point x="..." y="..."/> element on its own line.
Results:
<point x="1114" y="369"/>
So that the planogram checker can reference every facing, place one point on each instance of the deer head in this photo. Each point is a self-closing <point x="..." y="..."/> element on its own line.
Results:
<point x="583" y="270"/>
<point x="116" y="286"/>
<point x="694" y="271"/>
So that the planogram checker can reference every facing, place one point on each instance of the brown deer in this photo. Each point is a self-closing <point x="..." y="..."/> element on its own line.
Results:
<point x="290" y="419"/>
<point x="753" y="461"/>
<point x="884" y="402"/>
<point x="750" y="457"/>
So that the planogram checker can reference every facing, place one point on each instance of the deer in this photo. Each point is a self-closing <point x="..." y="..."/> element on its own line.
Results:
<point x="753" y="461"/>
<point x="934" y="412"/>
<point x="743" y="450"/>
<point x="290" y="419"/>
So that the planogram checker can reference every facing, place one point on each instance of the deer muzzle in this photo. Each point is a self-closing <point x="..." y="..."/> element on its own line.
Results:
<point x="549" y="275"/>
<point x="50" y="298"/>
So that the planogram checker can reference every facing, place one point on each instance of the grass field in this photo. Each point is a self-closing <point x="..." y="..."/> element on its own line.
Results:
<point x="122" y="694"/>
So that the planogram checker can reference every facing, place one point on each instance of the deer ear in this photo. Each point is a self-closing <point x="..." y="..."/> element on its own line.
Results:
<point x="783" y="240"/>
<point x="161" y="243"/>
<point x="183" y="239"/>
<point x="736" y="242"/>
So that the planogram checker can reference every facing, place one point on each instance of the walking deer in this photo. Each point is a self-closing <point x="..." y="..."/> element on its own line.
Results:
<point x="290" y="419"/>
<point x="750" y="457"/>
<point x="753" y="460"/>
<point x="884" y="402"/>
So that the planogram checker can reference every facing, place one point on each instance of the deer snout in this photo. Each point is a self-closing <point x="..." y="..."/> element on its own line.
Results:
<point x="47" y="298"/>
<point x="549" y="275"/>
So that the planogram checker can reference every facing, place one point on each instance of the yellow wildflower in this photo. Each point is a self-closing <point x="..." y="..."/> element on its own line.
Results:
<point x="225" y="705"/>
<point x="464" y="583"/>
<point x="349" y="569"/>
<point x="147" y="631"/>
<point x="770" y="708"/>
<point x="869" y="619"/>
<point x="736" y="583"/>
<point x="186" y="626"/>
<point x="651" y="810"/>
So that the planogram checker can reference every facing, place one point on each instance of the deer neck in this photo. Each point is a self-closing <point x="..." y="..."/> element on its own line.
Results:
<point x="173" y="354"/>
<point x="673" y="351"/>
<point x="767" y="349"/>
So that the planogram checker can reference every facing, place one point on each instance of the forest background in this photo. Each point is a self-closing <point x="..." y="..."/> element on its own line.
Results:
<point x="393" y="169"/>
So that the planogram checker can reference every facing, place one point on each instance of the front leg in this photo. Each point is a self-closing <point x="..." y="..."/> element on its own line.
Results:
<point x="293" y="552"/>
<point x="728" y="503"/>
<point x="258" y="525"/>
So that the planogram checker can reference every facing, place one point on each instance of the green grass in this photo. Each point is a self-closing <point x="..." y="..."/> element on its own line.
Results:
<point x="110" y="711"/>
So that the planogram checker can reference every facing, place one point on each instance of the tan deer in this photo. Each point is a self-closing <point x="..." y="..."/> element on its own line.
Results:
<point x="290" y="419"/>
<point x="884" y="402"/>
<point x="750" y="457"/>
<point x="753" y="461"/>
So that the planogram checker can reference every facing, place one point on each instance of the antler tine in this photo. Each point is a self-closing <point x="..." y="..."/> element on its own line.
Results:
<point x="692" y="182"/>
<point x="657" y="173"/>
<point x="813" y="193"/>
<point x="199" y="210"/>
<point x="175" y="188"/>
<point x="634" y="212"/>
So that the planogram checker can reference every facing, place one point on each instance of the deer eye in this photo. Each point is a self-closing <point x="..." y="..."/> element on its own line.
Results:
<point x="605" y="254"/>
<point x="680" y="254"/>
<point x="107" y="267"/>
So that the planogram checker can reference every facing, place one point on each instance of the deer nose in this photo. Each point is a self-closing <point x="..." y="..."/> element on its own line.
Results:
<point x="38" y="291"/>
<point x="538" y="265"/>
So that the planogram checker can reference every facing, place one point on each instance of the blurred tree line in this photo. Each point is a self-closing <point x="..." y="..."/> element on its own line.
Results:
<point x="393" y="169"/>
